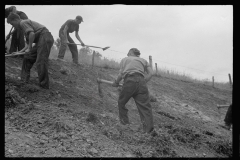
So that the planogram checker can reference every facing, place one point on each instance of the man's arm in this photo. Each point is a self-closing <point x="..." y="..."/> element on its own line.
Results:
<point x="65" y="33"/>
<point x="79" y="39"/>
<point x="31" y="38"/>
<point x="26" y="46"/>
<point x="119" y="78"/>
<point x="8" y="36"/>
<point x="149" y="73"/>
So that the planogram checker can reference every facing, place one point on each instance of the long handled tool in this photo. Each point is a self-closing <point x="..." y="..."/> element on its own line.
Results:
<point x="14" y="54"/>
<point x="8" y="34"/>
<point x="99" y="81"/>
<point x="7" y="39"/>
<point x="222" y="106"/>
<point x="92" y="46"/>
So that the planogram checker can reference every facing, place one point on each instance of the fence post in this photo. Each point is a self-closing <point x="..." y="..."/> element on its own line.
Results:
<point x="156" y="69"/>
<point x="93" y="55"/>
<point x="230" y="80"/>
<point x="150" y="61"/>
<point x="213" y="81"/>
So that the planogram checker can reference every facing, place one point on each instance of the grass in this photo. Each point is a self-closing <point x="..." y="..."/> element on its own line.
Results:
<point x="85" y="57"/>
<point x="164" y="72"/>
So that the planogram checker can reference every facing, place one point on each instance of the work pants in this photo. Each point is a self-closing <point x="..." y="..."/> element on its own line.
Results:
<point x="17" y="41"/>
<point x="63" y="47"/>
<point x="39" y="54"/>
<point x="135" y="86"/>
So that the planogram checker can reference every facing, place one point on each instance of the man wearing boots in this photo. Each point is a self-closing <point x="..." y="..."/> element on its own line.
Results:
<point x="68" y="27"/>
<point x="38" y="34"/>
<point x="132" y="69"/>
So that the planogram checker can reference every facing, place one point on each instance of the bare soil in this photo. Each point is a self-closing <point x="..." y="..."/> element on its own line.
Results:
<point x="72" y="120"/>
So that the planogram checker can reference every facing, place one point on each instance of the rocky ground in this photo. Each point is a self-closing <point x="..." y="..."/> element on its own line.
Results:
<point x="72" y="120"/>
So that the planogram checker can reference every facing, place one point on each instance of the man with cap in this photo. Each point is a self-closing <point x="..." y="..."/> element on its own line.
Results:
<point x="39" y="53"/>
<point x="68" y="27"/>
<point x="132" y="71"/>
<point x="17" y="42"/>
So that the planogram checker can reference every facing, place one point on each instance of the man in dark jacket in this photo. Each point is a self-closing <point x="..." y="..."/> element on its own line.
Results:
<point x="17" y="42"/>
<point x="132" y="69"/>
<point x="68" y="27"/>
<point x="43" y="39"/>
<point x="228" y="118"/>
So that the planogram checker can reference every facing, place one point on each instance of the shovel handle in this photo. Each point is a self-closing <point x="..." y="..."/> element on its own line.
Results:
<point x="15" y="54"/>
<point x="105" y="81"/>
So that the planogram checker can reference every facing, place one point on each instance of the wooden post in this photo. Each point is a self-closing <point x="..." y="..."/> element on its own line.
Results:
<point x="150" y="61"/>
<point x="230" y="80"/>
<point x="156" y="69"/>
<point x="213" y="81"/>
<point x="93" y="55"/>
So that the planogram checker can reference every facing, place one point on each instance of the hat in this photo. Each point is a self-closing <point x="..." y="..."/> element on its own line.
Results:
<point x="79" y="18"/>
<point x="135" y="51"/>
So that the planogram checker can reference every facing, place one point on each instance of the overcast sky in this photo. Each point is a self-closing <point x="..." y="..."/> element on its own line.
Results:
<point x="198" y="37"/>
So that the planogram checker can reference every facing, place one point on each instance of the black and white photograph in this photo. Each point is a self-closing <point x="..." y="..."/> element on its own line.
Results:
<point x="119" y="80"/>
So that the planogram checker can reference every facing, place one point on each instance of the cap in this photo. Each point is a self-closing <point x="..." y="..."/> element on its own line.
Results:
<point x="135" y="51"/>
<point x="79" y="18"/>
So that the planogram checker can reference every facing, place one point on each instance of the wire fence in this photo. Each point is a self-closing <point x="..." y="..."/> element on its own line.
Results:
<point x="157" y="60"/>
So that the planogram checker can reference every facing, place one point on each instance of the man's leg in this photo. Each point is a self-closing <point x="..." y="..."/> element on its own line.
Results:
<point x="20" y="42"/>
<point x="73" y="49"/>
<point x="63" y="46"/>
<point x="28" y="61"/>
<point x="43" y="50"/>
<point x="128" y="90"/>
<point x="142" y="101"/>
<point x="13" y="47"/>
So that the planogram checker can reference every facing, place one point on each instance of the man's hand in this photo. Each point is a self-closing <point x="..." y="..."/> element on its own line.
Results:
<point x="82" y="44"/>
<point x="115" y="84"/>
<point x="28" y="50"/>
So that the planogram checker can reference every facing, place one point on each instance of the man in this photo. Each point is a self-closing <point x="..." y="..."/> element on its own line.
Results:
<point x="38" y="34"/>
<point x="228" y="118"/>
<point x="68" y="27"/>
<point x="132" y="70"/>
<point x="17" y="42"/>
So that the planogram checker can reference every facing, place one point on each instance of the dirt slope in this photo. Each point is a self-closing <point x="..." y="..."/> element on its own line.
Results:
<point x="71" y="120"/>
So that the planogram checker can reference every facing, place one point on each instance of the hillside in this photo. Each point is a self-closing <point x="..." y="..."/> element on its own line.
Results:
<point x="72" y="120"/>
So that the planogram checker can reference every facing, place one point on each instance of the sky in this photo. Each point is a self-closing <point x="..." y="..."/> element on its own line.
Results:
<point x="196" y="40"/>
